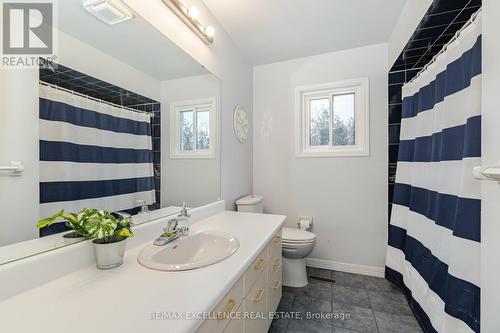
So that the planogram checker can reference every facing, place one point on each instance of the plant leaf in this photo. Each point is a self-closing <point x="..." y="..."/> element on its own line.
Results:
<point x="124" y="232"/>
<point x="50" y="220"/>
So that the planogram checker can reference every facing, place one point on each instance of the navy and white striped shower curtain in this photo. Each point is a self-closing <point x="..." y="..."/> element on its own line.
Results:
<point x="92" y="155"/>
<point x="434" y="234"/>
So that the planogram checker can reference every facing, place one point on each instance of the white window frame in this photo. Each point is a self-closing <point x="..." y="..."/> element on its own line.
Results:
<point x="195" y="104"/>
<point x="304" y="94"/>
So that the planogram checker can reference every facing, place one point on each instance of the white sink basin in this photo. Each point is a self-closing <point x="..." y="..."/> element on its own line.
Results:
<point x="194" y="251"/>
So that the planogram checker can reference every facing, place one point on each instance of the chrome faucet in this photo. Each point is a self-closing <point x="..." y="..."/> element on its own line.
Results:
<point x="172" y="224"/>
<point x="172" y="231"/>
<point x="144" y="207"/>
<point x="184" y="211"/>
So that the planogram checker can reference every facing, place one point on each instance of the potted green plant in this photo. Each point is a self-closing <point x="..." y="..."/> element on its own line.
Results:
<point x="72" y="220"/>
<point x="109" y="233"/>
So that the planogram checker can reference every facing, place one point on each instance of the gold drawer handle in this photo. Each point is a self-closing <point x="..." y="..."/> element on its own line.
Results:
<point x="260" y="294"/>
<point x="277" y="239"/>
<point x="277" y="262"/>
<point x="231" y="303"/>
<point x="277" y="284"/>
<point x="259" y="264"/>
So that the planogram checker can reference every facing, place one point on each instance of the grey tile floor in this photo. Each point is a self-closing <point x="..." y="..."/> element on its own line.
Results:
<point x="357" y="303"/>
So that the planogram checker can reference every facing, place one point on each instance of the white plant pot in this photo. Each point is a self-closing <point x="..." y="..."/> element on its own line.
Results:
<point x="109" y="255"/>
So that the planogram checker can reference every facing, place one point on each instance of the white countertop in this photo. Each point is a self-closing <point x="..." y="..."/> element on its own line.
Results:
<point x="123" y="299"/>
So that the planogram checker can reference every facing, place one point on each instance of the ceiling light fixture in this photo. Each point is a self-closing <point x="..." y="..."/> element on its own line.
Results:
<point x="209" y="31"/>
<point x="108" y="11"/>
<point x="193" y="13"/>
<point x="190" y="15"/>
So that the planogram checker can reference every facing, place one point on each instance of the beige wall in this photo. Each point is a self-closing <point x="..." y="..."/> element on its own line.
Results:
<point x="347" y="196"/>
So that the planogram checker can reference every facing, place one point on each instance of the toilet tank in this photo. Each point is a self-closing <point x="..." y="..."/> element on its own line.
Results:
<point x="250" y="204"/>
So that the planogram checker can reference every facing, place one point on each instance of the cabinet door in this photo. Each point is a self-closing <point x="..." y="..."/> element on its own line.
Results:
<point x="275" y="246"/>
<point x="274" y="265"/>
<point x="225" y="310"/>
<point x="274" y="291"/>
<point x="258" y="266"/>
<point x="236" y="324"/>
<point x="255" y="306"/>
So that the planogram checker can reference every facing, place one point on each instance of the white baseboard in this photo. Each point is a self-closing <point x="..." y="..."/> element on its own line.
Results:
<point x="344" y="267"/>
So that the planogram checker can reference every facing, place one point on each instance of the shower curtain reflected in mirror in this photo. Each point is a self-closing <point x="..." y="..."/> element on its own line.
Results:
<point x="92" y="155"/>
<point x="433" y="250"/>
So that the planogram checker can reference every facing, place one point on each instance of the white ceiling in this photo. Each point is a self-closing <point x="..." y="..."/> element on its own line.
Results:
<point x="268" y="31"/>
<point x="134" y="42"/>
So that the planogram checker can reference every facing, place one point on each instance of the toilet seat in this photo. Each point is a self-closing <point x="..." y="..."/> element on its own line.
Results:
<point x="285" y="242"/>
<point x="297" y="236"/>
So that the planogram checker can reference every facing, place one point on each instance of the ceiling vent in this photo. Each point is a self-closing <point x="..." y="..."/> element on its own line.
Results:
<point x="108" y="11"/>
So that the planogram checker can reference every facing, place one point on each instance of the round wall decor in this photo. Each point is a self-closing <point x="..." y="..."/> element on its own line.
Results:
<point x="240" y="123"/>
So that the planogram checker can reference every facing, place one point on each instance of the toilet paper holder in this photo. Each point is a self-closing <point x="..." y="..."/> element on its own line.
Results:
<point x="305" y="222"/>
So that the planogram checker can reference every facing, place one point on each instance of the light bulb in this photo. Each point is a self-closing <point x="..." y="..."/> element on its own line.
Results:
<point x="193" y="13"/>
<point x="209" y="31"/>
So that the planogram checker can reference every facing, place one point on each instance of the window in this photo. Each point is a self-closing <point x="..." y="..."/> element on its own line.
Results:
<point x="192" y="128"/>
<point x="332" y="119"/>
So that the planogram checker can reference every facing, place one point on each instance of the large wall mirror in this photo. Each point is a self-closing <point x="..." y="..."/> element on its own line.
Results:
<point x="122" y="120"/>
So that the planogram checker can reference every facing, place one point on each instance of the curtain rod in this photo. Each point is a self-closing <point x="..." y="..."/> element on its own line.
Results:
<point x="42" y="83"/>
<point x="454" y="38"/>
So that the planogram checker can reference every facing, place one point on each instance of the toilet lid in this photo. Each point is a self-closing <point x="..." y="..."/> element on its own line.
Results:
<point x="297" y="235"/>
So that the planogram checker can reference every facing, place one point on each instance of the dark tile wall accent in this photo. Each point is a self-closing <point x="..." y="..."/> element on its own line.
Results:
<point x="79" y="82"/>
<point x="437" y="27"/>
<point x="156" y="137"/>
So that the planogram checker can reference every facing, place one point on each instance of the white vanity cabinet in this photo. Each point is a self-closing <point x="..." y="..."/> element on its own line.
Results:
<point x="247" y="306"/>
<point x="274" y="275"/>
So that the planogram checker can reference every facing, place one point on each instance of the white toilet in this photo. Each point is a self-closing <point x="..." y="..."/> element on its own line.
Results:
<point x="296" y="244"/>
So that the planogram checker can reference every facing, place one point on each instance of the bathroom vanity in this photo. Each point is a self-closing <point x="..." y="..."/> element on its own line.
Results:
<point x="256" y="294"/>
<point x="235" y="293"/>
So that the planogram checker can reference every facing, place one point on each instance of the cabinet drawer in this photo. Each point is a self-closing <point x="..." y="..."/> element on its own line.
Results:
<point x="255" y="269"/>
<point x="255" y="304"/>
<point x="275" y="291"/>
<point x="236" y="324"/>
<point x="224" y="309"/>
<point x="274" y="265"/>
<point x="275" y="246"/>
